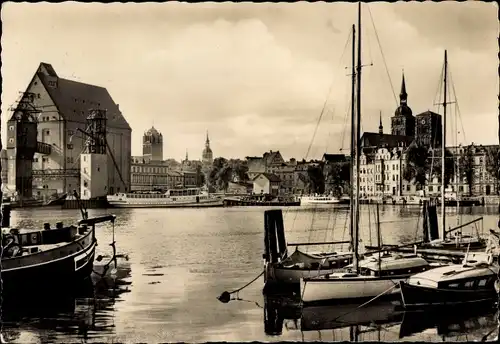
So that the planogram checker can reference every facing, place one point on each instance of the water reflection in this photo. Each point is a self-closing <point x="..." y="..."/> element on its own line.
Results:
<point x="472" y="322"/>
<point x="378" y="321"/>
<point x="81" y="312"/>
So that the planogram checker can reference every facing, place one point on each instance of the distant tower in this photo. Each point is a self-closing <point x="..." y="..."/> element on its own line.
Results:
<point x="152" y="145"/>
<point x="94" y="162"/>
<point x="403" y="122"/>
<point x="380" y="127"/>
<point x="207" y="155"/>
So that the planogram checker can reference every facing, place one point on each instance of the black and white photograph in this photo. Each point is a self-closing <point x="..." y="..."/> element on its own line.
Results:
<point x="250" y="172"/>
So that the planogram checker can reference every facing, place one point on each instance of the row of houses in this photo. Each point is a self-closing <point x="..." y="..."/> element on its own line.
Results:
<point x="381" y="174"/>
<point x="382" y="164"/>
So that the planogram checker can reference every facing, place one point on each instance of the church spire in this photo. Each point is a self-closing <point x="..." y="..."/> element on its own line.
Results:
<point x="187" y="155"/>
<point x="403" y="96"/>
<point x="380" y="127"/>
<point x="207" y="142"/>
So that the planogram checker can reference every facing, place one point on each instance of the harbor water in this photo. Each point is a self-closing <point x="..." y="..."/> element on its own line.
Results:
<point x="177" y="261"/>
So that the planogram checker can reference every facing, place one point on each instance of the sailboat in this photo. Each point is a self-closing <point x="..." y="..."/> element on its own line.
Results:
<point x="372" y="277"/>
<point x="471" y="281"/>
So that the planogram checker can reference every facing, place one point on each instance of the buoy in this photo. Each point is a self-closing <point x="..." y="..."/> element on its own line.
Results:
<point x="225" y="297"/>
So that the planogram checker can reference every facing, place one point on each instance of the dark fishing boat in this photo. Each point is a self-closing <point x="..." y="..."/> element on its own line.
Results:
<point x="48" y="257"/>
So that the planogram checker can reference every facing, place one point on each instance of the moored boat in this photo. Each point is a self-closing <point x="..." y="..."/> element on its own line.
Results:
<point x="375" y="277"/>
<point x="174" y="198"/>
<point x="281" y="268"/>
<point x="470" y="282"/>
<point x="48" y="257"/>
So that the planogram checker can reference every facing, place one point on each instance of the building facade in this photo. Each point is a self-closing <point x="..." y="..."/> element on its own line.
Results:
<point x="64" y="106"/>
<point x="266" y="184"/>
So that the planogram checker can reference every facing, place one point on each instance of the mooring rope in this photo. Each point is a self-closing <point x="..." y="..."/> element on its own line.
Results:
<point x="225" y="297"/>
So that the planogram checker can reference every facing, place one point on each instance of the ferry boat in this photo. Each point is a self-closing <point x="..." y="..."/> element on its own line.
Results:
<point x="187" y="197"/>
<point x="319" y="199"/>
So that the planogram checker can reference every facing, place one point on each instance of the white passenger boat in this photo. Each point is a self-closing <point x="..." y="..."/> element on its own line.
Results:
<point x="189" y="197"/>
<point x="319" y="199"/>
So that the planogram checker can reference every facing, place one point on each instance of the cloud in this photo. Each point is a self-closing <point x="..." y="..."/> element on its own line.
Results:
<point x="467" y="26"/>
<point x="223" y="69"/>
<point x="255" y="75"/>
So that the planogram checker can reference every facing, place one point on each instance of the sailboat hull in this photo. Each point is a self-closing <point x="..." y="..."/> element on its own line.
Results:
<point x="420" y="296"/>
<point x="356" y="288"/>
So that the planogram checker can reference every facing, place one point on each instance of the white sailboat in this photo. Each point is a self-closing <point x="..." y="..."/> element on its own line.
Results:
<point x="371" y="277"/>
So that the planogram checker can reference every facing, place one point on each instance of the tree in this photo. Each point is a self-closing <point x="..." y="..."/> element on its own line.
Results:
<point x="337" y="175"/>
<point x="240" y="169"/>
<point x="317" y="181"/>
<point x="217" y="165"/>
<point x="493" y="163"/>
<point x="466" y="161"/>
<point x="223" y="177"/>
<point x="200" y="177"/>
<point x="417" y="165"/>
<point x="449" y="166"/>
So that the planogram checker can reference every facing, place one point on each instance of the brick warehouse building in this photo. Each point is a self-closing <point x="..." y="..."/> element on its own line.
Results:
<point x="64" y="106"/>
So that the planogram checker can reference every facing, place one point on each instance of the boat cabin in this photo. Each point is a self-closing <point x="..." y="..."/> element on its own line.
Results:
<point x="393" y="265"/>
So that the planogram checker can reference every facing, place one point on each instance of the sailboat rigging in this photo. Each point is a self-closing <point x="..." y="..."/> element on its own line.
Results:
<point x="281" y="268"/>
<point x="370" y="277"/>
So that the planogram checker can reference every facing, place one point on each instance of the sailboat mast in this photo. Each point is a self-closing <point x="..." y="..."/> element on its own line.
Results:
<point x="443" y="147"/>
<point x="353" y="142"/>
<point x="358" y="143"/>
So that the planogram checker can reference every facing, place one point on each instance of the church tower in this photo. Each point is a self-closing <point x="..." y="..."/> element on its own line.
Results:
<point x="403" y="122"/>
<point x="207" y="155"/>
<point x="380" y="126"/>
<point x="152" y="145"/>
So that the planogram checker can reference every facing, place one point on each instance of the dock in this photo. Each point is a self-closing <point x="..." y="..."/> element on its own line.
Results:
<point x="87" y="203"/>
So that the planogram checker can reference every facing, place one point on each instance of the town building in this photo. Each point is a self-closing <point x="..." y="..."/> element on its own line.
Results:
<point x="483" y="183"/>
<point x="152" y="145"/>
<point x="63" y="107"/>
<point x="272" y="162"/>
<point x="158" y="176"/>
<point x="148" y="175"/>
<point x="267" y="184"/>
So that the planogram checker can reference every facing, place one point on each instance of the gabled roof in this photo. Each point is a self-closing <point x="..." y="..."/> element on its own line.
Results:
<point x="270" y="156"/>
<point x="387" y="140"/>
<point x="271" y="177"/>
<point x="75" y="99"/>
<point x="427" y="113"/>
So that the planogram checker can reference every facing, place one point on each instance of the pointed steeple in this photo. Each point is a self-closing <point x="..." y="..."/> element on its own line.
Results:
<point x="403" y="96"/>
<point x="207" y="142"/>
<point x="380" y="127"/>
<point x="187" y="156"/>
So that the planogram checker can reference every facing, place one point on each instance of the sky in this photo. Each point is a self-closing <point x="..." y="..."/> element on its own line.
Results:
<point x="261" y="77"/>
